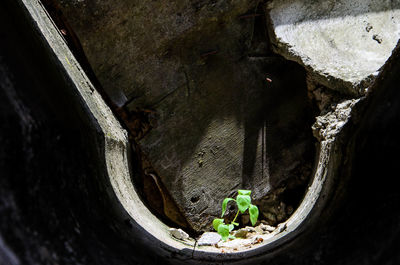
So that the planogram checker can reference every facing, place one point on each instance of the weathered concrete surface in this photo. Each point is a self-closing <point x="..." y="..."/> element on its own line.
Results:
<point x="343" y="43"/>
<point x="199" y="72"/>
<point x="143" y="48"/>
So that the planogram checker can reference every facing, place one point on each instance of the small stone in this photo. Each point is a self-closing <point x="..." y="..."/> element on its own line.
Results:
<point x="259" y="230"/>
<point x="250" y="229"/>
<point x="242" y="232"/>
<point x="178" y="233"/>
<point x="209" y="239"/>
<point x="267" y="228"/>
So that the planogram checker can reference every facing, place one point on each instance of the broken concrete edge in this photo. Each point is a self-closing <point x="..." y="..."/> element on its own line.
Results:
<point x="331" y="82"/>
<point x="354" y="89"/>
<point x="385" y="70"/>
<point x="290" y="21"/>
<point x="326" y="80"/>
<point x="113" y="139"/>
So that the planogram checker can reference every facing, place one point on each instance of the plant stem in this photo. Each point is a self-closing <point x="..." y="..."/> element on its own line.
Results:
<point x="234" y="219"/>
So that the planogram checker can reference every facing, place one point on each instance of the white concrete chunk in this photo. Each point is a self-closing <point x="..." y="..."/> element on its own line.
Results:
<point x="179" y="233"/>
<point x="344" y="43"/>
<point x="209" y="239"/>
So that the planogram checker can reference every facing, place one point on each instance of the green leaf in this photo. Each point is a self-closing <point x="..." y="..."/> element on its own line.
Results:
<point x="223" y="230"/>
<point x="217" y="222"/>
<point x="224" y="204"/>
<point x="244" y="192"/>
<point x="243" y="202"/>
<point x="253" y="210"/>
<point x="234" y="223"/>
<point x="231" y="227"/>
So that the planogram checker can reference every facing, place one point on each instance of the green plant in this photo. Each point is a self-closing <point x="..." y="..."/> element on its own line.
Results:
<point x="243" y="202"/>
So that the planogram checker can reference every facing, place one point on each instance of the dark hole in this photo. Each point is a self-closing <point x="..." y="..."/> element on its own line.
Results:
<point x="195" y="199"/>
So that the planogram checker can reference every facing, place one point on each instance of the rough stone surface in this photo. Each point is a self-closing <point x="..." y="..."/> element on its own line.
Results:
<point x="198" y="71"/>
<point x="327" y="126"/>
<point x="241" y="233"/>
<point x="209" y="239"/>
<point x="344" y="43"/>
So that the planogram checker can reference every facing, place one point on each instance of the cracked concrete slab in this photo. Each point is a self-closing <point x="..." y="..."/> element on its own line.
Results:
<point x="343" y="43"/>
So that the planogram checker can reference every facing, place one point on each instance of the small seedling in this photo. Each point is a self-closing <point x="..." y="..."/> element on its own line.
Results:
<point x="243" y="202"/>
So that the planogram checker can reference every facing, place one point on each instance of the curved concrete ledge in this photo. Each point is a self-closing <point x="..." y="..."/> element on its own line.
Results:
<point x="111" y="137"/>
<point x="146" y="228"/>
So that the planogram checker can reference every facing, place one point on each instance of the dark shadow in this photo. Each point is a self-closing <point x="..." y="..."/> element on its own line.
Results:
<point x="277" y="119"/>
<point x="55" y="204"/>
<point x="277" y="116"/>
